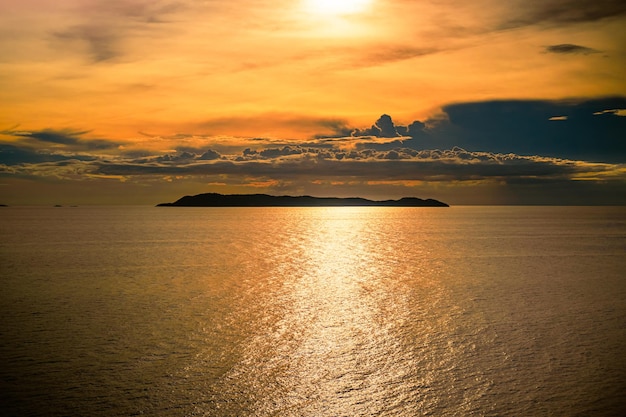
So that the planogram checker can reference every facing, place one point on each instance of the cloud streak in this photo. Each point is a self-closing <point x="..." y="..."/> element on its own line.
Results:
<point x="570" y="49"/>
<point x="563" y="12"/>
<point x="107" y="26"/>
<point x="69" y="140"/>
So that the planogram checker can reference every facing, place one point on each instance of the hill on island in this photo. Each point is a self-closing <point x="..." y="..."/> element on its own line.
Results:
<point x="265" y="200"/>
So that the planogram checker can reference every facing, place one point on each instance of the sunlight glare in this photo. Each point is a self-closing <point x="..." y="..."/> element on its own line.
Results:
<point x="335" y="7"/>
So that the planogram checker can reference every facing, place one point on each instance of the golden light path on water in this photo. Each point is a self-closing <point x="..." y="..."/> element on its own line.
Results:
<point x="339" y="333"/>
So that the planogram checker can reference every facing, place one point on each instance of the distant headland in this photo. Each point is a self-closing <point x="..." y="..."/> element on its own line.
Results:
<point x="265" y="200"/>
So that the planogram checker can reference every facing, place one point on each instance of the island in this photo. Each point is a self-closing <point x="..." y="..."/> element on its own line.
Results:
<point x="265" y="200"/>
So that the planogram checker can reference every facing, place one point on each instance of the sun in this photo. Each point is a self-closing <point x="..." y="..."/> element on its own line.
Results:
<point x="335" y="7"/>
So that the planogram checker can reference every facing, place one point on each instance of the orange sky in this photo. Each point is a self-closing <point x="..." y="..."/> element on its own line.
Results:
<point x="148" y="75"/>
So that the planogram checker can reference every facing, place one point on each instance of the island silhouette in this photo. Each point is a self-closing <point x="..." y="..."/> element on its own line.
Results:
<point x="265" y="200"/>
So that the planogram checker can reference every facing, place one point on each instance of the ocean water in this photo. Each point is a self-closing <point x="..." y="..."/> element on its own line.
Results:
<point x="461" y="311"/>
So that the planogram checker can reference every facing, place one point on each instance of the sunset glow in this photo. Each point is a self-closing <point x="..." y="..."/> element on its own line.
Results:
<point x="160" y="99"/>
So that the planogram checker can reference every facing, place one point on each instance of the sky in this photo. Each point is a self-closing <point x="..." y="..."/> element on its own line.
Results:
<point x="482" y="102"/>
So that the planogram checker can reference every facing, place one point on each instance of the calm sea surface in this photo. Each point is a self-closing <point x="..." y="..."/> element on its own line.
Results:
<point x="495" y="311"/>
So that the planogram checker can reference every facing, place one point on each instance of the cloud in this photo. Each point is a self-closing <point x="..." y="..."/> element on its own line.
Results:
<point x="102" y="41"/>
<point x="574" y="129"/>
<point x="383" y="128"/>
<point x="15" y="155"/>
<point x="563" y="11"/>
<point x="140" y="11"/>
<point x="276" y="152"/>
<point x="570" y="49"/>
<point x="62" y="140"/>
<point x="616" y="112"/>
<point x="525" y="127"/>
<point x="265" y="165"/>
<point x="62" y="137"/>
<point x="178" y="158"/>
<point x="209" y="155"/>
<point x="397" y="164"/>
<point x="591" y="129"/>
<point x="585" y="130"/>
<point x="107" y="25"/>
<point x="274" y="124"/>
<point x="391" y="53"/>
<point x="504" y="142"/>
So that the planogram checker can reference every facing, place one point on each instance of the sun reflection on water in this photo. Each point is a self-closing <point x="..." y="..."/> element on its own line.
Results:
<point x="337" y="347"/>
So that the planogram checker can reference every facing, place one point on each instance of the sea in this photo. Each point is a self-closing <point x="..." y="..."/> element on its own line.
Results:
<point x="342" y="311"/>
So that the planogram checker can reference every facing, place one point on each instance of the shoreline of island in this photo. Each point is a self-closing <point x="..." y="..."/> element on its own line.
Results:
<point x="266" y="200"/>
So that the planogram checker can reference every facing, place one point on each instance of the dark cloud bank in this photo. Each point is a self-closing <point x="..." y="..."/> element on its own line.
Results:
<point x="589" y="130"/>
